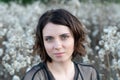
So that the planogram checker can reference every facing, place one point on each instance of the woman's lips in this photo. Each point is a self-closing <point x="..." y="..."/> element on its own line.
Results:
<point x="59" y="54"/>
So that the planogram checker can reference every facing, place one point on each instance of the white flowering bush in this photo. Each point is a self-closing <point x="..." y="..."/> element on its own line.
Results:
<point x="17" y="24"/>
<point x="17" y="37"/>
<point x="109" y="53"/>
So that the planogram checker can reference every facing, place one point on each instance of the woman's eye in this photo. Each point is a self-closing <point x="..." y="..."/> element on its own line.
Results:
<point x="48" y="39"/>
<point x="64" y="37"/>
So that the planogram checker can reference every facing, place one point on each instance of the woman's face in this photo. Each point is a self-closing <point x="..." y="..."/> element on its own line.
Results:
<point x="58" y="42"/>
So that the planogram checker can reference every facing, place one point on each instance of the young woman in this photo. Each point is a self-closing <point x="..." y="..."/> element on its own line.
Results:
<point x="59" y="39"/>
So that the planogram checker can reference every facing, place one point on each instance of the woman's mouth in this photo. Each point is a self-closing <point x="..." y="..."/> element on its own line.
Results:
<point x="59" y="54"/>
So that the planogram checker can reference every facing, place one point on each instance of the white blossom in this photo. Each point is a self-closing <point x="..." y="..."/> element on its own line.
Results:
<point x="85" y="59"/>
<point x="1" y="25"/>
<point x="118" y="63"/>
<point x="101" y="54"/>
<point x="114" y="64"/>
<point x="118" y="53"/>
<point x="1" y="51"/>
<point x="9" y="68"/>
<point x="6" y="57"/>
<point x="15" y="77"/>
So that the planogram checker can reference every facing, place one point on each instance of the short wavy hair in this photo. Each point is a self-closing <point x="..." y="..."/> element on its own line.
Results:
<point x="61" y="17"/>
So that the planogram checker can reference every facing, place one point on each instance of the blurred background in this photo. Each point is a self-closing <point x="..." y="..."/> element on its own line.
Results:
<point x="18" y="19"/>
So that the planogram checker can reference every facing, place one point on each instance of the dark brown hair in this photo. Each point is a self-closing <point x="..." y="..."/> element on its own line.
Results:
<point x="61" y="17"/>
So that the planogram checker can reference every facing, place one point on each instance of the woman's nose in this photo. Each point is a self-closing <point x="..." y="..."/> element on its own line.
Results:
<point x="58" y="44"/>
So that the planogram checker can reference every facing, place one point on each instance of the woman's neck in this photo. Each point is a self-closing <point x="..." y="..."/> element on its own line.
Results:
<point x="60" y="66"/>
<point x="62" y="70"/>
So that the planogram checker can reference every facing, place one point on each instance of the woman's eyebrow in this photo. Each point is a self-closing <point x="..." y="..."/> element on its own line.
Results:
<point x="48" y="36"/>
<point x="65" y="34"/>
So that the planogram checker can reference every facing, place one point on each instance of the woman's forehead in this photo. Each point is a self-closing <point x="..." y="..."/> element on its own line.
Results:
<point x="52" y="29"/>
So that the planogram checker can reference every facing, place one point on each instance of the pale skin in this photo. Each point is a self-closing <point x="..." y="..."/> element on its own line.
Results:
<point x="59" y="45"/>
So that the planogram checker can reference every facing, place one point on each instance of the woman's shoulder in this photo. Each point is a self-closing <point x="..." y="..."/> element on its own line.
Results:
<point x="89" y="70"/>
<point x="31" y="73"/>
<point x="84" y="65"/>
